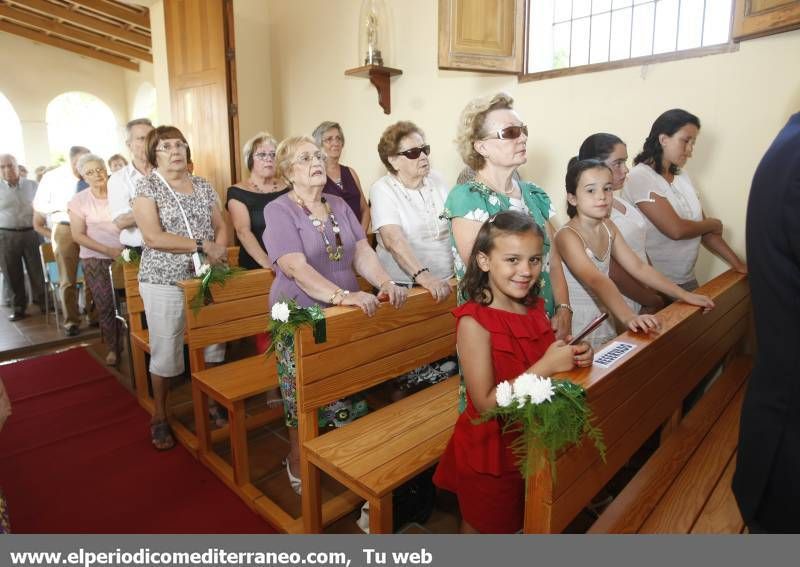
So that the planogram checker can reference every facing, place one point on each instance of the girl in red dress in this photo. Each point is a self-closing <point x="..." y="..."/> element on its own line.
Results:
<point x="502" y="332"/>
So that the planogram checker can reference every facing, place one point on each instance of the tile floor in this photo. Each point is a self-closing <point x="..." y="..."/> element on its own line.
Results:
<point x="35" y="332"/>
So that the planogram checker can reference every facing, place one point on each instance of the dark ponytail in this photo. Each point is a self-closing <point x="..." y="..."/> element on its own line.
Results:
<point x="599" y="146"/>
<point x="668" y="123"/>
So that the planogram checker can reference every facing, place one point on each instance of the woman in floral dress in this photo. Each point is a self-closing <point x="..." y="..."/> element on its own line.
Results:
<point x="492" y="141"/>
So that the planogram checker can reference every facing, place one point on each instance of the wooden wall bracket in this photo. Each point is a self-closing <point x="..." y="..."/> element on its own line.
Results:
<point x="380" y="77"/>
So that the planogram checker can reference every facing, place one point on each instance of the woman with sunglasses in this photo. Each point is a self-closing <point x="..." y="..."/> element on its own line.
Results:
<point x="413" y="239"/>
<point x="664" y="193"/>
<point x="180" y="219"/>
<point x="317" y="245"/>
<point x="98" y="237"/>
<point x="247" y="199"/>
<point x="613" y="152"/>
<point x="492" y="141"/>
<point x="342" y="181"/>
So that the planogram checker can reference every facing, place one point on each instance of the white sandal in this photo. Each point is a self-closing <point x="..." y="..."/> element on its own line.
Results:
<point x="294" y="481"/>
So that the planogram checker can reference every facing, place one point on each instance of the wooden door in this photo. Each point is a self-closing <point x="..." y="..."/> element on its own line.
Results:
<point x="199" y="56"/>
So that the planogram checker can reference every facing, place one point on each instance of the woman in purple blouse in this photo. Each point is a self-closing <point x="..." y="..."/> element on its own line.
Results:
<point x="342" y="181"/>
<point x="317" y="244"/>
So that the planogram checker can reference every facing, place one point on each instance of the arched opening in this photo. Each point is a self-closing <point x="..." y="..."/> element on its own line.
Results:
<point x="81" y="119"/>
<point x="11" y="139"/>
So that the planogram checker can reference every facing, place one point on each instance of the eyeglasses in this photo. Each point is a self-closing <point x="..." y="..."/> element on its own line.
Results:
<point x="306" y="159"/>
<point x="509" y="133"/>
<point x="332" y="139"/>
<point x="413" y="153"/>
<point x="180" y="146"/>
<point x="96" y="171"/>
<point x="264" y="156"/>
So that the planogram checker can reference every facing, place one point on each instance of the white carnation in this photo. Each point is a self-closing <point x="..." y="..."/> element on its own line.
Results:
<point x="523" y="386"/>
<point x="204" y="269"/>
<point x="477" y="215"/>
<point x="542" y="390"/>
<point x="280" y="312"/>
<point x="126" y="254"/>
<point x="504" y="394"/>
<point x="531" y="387"/>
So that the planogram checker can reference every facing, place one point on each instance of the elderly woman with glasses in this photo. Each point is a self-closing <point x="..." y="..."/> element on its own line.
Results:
<point x="182" y="226"/>
<point x="247" y="199"/>
<point x="492" y="140"/>
<point x="342" y="180"/>
<point x="317" y="245"/>
<point x="98" y="238"/>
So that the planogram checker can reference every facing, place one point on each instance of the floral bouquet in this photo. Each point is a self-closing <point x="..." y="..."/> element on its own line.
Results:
<point x="208" y="275"/>
<point x="129" y="256"/>
<point x="287" y="317"/>
<point x="548" y="414"/>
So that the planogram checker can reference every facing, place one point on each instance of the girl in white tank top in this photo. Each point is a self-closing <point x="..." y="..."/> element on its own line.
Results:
<point x="588" y="243"/>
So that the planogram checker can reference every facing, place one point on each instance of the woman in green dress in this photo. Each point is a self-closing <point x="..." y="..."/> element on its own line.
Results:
<point x="492" y="141"/>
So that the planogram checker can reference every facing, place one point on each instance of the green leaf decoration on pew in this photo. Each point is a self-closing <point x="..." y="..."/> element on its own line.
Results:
<point x="208" y="276"/>
<point x="547" y="416"/>
<point x="129" y="256"/>
<point x="286" y="317"/>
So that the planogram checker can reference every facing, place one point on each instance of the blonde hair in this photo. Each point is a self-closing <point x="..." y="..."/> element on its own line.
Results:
<point x="286" y="153"/>
<point x="471" y="126"/>
<point x="251" y="145"/>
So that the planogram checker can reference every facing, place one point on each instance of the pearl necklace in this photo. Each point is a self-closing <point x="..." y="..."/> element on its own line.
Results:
<point x="430" y="209"/>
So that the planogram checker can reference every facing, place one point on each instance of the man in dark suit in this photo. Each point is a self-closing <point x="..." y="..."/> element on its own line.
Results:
<point x="767" y="479"/>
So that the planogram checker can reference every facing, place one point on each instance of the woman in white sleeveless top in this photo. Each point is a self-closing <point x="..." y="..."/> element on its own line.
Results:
<point x="663" y="192"/>
<point x="588" y="242"/>
<point x="613" y="152"/>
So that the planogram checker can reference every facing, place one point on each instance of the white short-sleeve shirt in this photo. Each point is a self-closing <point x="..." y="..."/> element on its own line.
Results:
<point x="675" y="259"/>
<point x="121" y="190"/>
<point x="417" y="212"/>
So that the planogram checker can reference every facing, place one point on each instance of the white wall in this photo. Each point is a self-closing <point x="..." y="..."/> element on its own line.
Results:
<point x="252" y="28"/>
<point x="34" y="74"/>
<point x="742" y="98"/>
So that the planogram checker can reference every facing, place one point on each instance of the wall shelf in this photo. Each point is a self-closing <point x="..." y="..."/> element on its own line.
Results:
<point x="380" y="77"/>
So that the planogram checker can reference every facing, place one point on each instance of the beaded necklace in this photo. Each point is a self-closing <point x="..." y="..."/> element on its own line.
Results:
<point x="334" y="255"/>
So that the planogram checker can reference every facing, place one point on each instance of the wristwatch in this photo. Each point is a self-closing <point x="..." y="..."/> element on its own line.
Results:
<point x="199" y="243"/>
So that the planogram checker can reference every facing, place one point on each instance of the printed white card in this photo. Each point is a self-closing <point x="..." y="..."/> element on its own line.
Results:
<point x="611" y="353"/>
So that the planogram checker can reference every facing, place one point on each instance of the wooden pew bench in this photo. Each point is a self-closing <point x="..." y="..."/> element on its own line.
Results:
<point x="685" y="486"/>
<point x="139" y="336"/>
<point x="239" y="309"/>
<point x="381" y="451"/>
<point x="633" y="398"/>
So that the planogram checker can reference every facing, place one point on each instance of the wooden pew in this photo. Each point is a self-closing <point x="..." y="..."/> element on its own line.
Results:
<point x="240" y="308"/>
<point x="140" y="338"/>
<point x="388" y="447"/>
<point x="633" y="398"/>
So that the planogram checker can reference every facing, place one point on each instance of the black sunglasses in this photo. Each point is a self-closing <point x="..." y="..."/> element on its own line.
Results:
<point x="509" y="133"/>
<point x="413" y="153"/>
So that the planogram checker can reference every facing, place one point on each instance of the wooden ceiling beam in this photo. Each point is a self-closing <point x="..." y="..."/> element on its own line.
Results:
<point x="83" y="20"/>
<point x="117" y="11"/>
<point x="73" y="33"/>
<point x="53" y="41"/>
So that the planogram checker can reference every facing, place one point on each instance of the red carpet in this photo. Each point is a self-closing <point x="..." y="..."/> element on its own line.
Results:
<point x="75" y="457"/>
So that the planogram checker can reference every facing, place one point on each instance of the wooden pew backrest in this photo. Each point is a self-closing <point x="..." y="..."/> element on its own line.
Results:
<point x="634" y="397"/>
